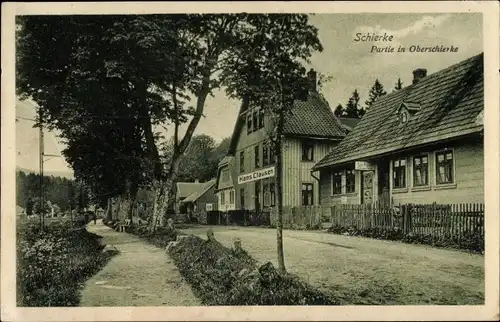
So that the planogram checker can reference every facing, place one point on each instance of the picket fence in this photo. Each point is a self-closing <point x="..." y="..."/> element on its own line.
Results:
<point x="434" y="220"/>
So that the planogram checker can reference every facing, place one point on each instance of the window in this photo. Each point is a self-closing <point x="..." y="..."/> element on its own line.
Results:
<point x="420" y="171"/>
<point x="242" y="198"/>
<point x="265" y="190"/>
<point x="261" y="118"/>
<point x="242" y="161"/>
<point x="272" y="194"/>
<point x="249" y="123"/>
<point x="231" y="197"/>
<point x="272" y="155"/>
<point x="307" y="194"/>
<point x="337" y="183"/>
<point x="222" y="197"/>
<point x="255" y="120"/>
<point x="265" y="154"/>
<point x="399" y="173"/>
<point x="350" y="179"/>
<point x="444" y="167"/>
<point x="257" y="156"/>
<point x="307" y="151"/>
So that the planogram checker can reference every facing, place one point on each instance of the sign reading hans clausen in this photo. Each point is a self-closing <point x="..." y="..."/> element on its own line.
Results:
<point x="256" y="175"/>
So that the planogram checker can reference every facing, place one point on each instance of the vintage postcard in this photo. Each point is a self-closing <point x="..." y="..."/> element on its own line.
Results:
<point x="250" y="161"/>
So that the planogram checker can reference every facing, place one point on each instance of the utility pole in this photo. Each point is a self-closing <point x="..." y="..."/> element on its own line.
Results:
<point x="40" y="144"/>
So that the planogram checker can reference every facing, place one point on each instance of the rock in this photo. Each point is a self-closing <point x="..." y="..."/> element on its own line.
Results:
<point x="243" y="272"/>
<point x="171" y="245"/>
<point x="170" y="223"/>
<point x="181" y="237"/>
<point x="110" y="250"/>
<point x="268" y="273"/>
<point x="102" y="243"/>
<point x="210" y="234"/>
<point x="237" y="245"/>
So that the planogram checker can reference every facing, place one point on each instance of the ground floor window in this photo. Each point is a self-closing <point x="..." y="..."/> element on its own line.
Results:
<point x="420" y="170"/>
<point x="444" y="167"/>
<point x="350" y="181"/>
<point x="337" y="183"/>
<point x="242" y="198"/>
<point x="399" y="173"/>
<point x="272" y="194"/>
<point x="231" y="197"/>
<point x="307" y="194"/>
<point x="222" y="197"/>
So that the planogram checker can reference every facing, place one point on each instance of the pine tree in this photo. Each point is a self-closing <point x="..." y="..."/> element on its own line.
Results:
<point x="352" y="108"/>
<point x="376" y="91"/>
<point x="339" y="110"/>
<point x="399" y="85"/>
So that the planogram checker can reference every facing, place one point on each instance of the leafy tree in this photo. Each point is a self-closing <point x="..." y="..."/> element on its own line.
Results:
<point x="376" y="91"/>
<point x="353" y="109"/>
<point x="120" y="77"/>
<point x="339" y="110"/>
<point x="271" y="75"/>
<point x="399" y="85"/>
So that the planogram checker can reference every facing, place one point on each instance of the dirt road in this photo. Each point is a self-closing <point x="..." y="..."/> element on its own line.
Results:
<point x="367" y="271"/>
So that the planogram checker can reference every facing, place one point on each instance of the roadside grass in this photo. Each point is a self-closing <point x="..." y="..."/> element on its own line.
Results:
<point x="53" y="263"/>
<point x="364" y="271"/>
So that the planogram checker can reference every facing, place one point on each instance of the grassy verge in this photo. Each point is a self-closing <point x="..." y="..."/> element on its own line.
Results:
<point x="224" y="276"/>
<point x="53" y="263"/>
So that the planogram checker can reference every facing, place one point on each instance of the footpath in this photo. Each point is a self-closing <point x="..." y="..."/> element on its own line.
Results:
<point x="140" y="275"/>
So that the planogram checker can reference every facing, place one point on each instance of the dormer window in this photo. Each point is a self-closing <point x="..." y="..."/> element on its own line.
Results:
<point x="403" y="116"/>
<point x="407" y="110"/>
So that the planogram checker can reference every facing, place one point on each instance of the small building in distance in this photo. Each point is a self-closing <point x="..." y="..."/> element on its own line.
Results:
<point x="201" y="203"/>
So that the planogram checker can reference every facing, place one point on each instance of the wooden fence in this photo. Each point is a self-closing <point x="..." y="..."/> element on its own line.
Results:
<point x="430" y="220"/>
<point x="458" y="225"/>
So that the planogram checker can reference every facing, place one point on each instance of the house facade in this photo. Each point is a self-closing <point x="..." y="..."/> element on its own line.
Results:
<point x="246" y="177"/>
<point x="421" y="144"/>
<point x="201" y="202"/>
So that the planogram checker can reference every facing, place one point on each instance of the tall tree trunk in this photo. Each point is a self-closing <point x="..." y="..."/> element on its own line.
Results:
<point x="109" y="209"/>
<point x="279" y="192"/>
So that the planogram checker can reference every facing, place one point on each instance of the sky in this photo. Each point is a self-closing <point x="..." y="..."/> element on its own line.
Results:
<point x="350" y="64"/>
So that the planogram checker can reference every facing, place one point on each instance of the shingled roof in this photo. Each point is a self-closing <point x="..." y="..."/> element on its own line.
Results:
<point x="310" y="118"/>
<point x="450" y="102"/>
<point x="200" y="192"/>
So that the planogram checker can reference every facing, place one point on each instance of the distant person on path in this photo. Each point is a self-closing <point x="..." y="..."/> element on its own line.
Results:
<point x="95" y="219"/>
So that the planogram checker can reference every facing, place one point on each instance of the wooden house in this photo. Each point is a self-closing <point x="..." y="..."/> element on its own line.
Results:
<point x="246" y="178"/>
<point x="421" y="144"/>
<point x="182" y="191"/>
<point x="201" y="202"/>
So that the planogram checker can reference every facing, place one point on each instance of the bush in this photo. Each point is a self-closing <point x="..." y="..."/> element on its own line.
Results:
<point x="223" y="276"/>
<point x="52" y="262"/>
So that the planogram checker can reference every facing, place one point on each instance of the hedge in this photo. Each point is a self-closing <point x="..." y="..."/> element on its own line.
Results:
<point x="224" y="276"/>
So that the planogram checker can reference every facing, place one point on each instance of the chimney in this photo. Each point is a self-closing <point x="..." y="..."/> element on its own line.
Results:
<point x="312" y="76"/>
<point x="418" y="74"/>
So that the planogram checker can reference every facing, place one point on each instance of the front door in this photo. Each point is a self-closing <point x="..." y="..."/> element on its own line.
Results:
<point x="367" y="187"/>
<point x="383" y="183"/>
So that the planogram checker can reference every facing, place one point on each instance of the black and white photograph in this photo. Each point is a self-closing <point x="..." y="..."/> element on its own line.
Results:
<point x="235" y="156"/>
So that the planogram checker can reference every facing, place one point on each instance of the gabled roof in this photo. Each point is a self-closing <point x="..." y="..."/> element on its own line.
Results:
<point x="349" y="122"/>
<point x="184" y="189"/>
<point x="450" y="101"/>
<point x="200" y="192"/>
<point x="310" y="118"/>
